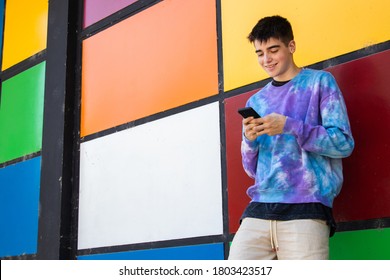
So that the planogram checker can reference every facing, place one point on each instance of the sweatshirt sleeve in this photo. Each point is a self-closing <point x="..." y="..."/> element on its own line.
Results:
<point x="249" y="152"/>
<point x="333" y="138"/>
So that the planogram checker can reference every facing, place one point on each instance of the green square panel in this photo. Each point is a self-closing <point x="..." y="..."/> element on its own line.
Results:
<point x="21" y="113"/>
<point x="372" y="244"/>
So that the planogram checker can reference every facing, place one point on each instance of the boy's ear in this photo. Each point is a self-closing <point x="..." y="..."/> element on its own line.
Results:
<point x="291" y="46"/>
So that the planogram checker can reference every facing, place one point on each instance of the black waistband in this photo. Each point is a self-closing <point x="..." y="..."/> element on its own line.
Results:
<point x="286" y="211"/>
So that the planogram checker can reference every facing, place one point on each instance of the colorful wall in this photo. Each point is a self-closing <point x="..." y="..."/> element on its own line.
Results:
<point x="119" y="132"/>
<point x="23" y="33"/>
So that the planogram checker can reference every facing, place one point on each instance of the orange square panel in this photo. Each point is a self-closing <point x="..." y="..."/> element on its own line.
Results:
<point x="158" y="59"/>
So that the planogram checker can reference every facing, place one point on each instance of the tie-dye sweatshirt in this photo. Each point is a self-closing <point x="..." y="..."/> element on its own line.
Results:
<point x="304" y="163"/>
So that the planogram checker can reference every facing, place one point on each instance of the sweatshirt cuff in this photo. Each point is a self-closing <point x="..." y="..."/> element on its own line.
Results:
<point x="248" y="144"/>
<point x="292" y="126"/>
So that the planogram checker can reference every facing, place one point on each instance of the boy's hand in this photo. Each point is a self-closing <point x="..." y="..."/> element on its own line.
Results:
<point x="271" y="125"/>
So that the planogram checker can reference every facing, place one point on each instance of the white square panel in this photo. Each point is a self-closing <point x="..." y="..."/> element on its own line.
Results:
<point x="157" y="181"/>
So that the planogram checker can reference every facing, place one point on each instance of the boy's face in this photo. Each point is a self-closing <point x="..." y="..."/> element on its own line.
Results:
<point x="276" y="58"/>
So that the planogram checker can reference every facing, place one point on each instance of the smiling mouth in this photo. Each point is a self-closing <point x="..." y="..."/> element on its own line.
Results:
<point x="271" y="66"/>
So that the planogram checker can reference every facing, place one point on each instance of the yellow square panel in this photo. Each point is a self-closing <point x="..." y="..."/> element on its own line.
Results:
<point x="323" y="29"/>
<point x="25" y="30"/>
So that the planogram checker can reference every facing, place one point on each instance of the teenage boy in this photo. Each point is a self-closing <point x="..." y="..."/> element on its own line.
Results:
<point x="293" y="152"/>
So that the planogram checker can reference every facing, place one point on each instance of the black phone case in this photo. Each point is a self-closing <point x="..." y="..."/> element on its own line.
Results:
<point x="248" y="112"/>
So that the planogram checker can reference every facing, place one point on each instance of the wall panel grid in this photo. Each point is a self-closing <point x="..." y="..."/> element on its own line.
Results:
<point x="23" y="34"/>
<point x="135" y="185"/>
<point x="149" y="63"/>
<point x="124" y="131"/>
<point x="130" y="97"/>
<point x="22" y="78"/>
<point x="156" y="104"/>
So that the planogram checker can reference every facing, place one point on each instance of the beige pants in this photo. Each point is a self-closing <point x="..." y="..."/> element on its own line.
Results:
<point x="258" y="239"/>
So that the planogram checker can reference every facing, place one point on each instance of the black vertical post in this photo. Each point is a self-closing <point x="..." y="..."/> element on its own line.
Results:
<point x="55" y="212"/>
<point x="222" y="96"/>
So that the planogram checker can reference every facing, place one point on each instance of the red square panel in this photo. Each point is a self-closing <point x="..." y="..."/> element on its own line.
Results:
<point x="238" y="180"/>
<point x="365" y="85"/>
<point x="365" y="193"/>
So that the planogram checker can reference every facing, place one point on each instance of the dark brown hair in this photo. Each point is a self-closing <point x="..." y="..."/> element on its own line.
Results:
<point x="272" y="27"/>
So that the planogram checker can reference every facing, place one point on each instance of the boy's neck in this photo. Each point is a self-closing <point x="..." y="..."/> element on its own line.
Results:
<point x="289" y="75"/>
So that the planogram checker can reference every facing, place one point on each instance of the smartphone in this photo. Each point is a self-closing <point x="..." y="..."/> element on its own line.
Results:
<point x="248" y="112"/>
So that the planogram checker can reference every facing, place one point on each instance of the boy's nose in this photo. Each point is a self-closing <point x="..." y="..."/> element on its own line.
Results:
<point x="267" y="57"/>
